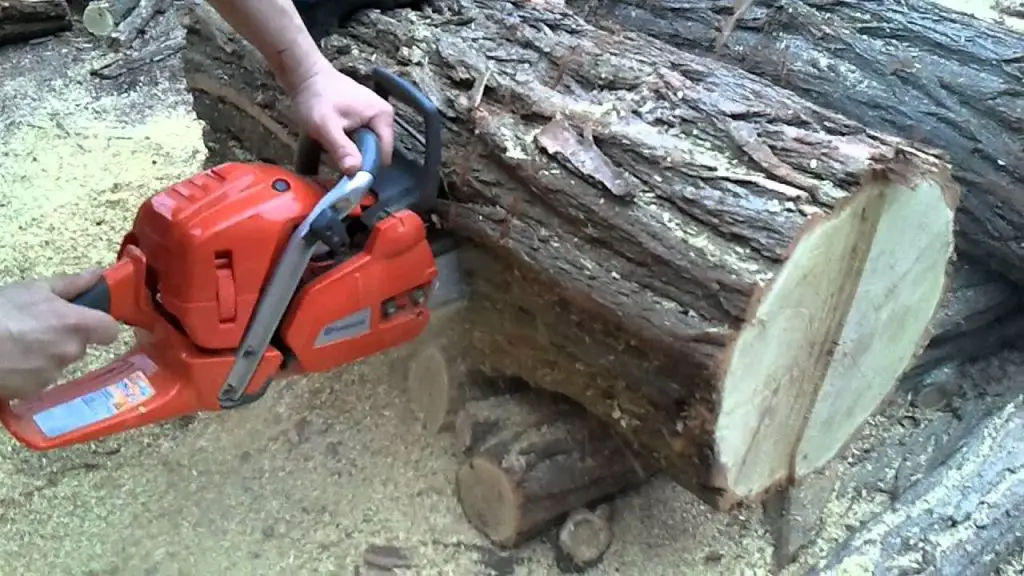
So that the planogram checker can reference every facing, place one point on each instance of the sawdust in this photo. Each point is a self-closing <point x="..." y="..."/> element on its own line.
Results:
<point x="300" y="483"/>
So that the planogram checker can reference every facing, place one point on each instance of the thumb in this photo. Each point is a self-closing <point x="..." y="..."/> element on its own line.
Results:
<point x="67" y="286"/>
<point x="340" y="147"/>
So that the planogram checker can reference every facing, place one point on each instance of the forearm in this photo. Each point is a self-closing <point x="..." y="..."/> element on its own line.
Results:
<point x="276" y="30"/>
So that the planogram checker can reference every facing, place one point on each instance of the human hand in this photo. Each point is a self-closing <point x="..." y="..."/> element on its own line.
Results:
<point x="41" y="332"/>
<point x="329" y="104"/>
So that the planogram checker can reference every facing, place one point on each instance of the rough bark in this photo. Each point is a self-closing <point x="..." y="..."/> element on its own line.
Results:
<point x="22" y="20"/>
<point x="912" y="68"/>
<point x="908" y="440"/>
<point x="1014" y="8"/>
<point x="962" y="518"/>
<point x="125" y="63"/>
<point x="129" y="29"/>
<point x="534" y="458"/>
<point x="664" y="212"/>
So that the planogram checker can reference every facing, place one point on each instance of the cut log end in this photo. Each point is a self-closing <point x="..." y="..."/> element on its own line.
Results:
<point x="431" y="390"/>
<point x="102" y="17"/>
<point x="491" y="500"/>
<point x="98" y="20"/>
<point x="582" y="541"/>
<point x="808" y="367"/>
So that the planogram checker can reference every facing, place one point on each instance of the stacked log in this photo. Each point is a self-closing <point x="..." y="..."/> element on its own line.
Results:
<point x="24" y="20"/>
<point x="731" y="276"/>
<point x="961" y="517"/>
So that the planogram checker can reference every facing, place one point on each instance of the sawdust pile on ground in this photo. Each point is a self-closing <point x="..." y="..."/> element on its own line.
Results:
<point x="299" y="483"/>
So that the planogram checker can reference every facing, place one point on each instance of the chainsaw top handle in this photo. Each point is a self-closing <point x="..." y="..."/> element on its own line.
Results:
<point x="428" y="177"/>
<point x="308" y="151"/>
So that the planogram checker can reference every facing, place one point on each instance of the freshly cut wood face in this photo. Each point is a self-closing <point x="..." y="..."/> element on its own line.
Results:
<point x="841" y="320"/>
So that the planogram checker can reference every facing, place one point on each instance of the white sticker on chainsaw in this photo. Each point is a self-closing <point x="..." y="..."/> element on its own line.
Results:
<point x="95" y="406"/>
<point x="348" y="327"/>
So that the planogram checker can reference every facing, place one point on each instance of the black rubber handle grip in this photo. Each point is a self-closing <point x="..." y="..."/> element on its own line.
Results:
<point x="309" y="150"/>
<point x="386" y="84"/>
<point x="97" y="297"/>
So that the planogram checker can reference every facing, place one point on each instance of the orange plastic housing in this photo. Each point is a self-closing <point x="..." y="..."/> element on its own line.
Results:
<point x="189" y="275"/>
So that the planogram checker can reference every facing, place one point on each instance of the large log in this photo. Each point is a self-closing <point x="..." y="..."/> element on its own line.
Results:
<point x="22" y="20"/>
<point x="913" y="68"/>
<point x="962" y="518"/>
<point x="733" y="276"/>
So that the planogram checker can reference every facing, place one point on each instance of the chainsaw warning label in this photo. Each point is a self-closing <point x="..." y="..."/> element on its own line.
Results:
<point x="95" y="406"/>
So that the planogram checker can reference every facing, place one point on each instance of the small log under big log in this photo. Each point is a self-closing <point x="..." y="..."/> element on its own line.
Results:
<point x="734" y="277"/>
<point x="961" y="518"/>
<point x="23" y="20"/>
<point x="914" y="68"/>
<point x="534" y="458"/>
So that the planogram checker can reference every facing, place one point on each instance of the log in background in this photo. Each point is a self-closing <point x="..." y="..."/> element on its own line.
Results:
<point x="911" y="68"/>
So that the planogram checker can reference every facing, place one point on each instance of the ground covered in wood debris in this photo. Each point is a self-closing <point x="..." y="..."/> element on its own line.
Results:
<point x="321" y="477"/>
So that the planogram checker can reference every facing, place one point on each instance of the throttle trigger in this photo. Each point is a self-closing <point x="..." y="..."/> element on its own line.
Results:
<point x="329" y="228"/>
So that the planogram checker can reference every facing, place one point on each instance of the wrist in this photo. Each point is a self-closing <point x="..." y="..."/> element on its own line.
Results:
<point x="298" y="63"/>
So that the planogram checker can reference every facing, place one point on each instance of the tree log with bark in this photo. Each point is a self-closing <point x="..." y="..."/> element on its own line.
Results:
<point x="22" y="20"/>
<point x="734" y="277"/>
<point x="962" y="518"/>
<point x="913" y="68"/>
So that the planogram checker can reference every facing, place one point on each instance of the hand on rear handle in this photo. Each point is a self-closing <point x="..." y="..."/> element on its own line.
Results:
<point x="41" y="332"/>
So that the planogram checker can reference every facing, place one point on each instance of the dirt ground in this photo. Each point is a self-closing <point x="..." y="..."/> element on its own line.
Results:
<point x="300" y="483"/>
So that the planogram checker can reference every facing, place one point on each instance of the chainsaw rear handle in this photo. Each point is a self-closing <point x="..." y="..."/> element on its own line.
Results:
<point x="96" y="297"/>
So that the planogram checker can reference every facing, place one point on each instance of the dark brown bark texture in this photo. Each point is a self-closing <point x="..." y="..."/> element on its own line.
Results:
<point x="911" y="68"/>
<point x="22" y="20"/>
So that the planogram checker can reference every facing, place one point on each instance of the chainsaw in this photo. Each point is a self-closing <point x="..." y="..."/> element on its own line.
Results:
<point x="247" y="272"/>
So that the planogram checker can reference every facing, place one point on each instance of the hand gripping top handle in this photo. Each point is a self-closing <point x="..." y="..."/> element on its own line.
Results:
<point x="405" y="183"/>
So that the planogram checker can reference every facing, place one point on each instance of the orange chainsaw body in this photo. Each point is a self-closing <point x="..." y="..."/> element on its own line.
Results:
<point x="188" y="277"/>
